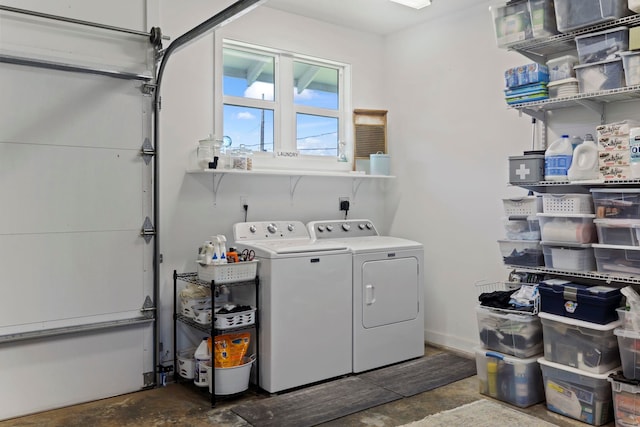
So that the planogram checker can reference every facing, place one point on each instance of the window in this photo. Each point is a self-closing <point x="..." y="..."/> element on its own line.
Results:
<point x="289" y="109"/>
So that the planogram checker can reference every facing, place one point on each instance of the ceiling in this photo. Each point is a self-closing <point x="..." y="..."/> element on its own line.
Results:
<point x="381" y="17"/>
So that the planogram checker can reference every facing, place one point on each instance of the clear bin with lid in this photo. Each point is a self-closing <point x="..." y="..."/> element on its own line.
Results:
<point x="631" y="65"/>
<point x="601" y="45"/>
<point x="521" y="20"/>
<point x="603" y="75"/>
<point x="525" y="253"/>
<point x="569" y="257"/>
<point x="574" y="14"/>
<point x="626" y="400"/>
<point x="622" y="260"/>
<point x="629" y="344"/>
<point x="525" y="228"/>
<point x="617" y="231"/>
<point x="567" y="228"/>
<point x="615" y="203"/>
<point x="517" y="334"/>
<point x="561" y="68"/>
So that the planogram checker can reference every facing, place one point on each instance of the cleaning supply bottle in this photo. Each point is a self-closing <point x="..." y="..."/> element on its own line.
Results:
<point x="557" y="159"/>
<point x="492" y="376"/>
<point x="634" y="149"/>
<point x="585" y="160"/>
<point x="202" y="357"/>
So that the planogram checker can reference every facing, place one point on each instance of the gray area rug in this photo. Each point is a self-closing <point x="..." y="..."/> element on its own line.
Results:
<point x="335" y="399"/>
<point x="481" y="413"/>
<point x="316" y="404"/>
<point x="424" y="374"/>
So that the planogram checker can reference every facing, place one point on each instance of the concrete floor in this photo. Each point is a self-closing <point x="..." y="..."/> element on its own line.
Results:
<point x="183" y="406"/>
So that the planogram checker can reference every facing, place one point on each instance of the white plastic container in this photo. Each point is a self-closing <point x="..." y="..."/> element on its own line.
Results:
<point x="187" y="364"/>
<point x="516" y="334"/>
<point x="604" y="75"/>
<point x="567" y="203"/>
<point x="584" y="164"/>
<point x="522" y="206"/>
<point x="380" y="164"/>
<point x="629" y="344"/>
<point x="522" y="228"/>
<point x="557" y="159"/>
<point x="598" y="46"/>
<point x="626" y="401"/>
<point x="617" y="231"/>
<point x="569" y="257"/>
<point x="631" y="64"/>
<point x="634" y="149"/>
<point x="231" y="380"/>
<point x="563" y="88"/>
<point x="567" y="228"/>
<point x="634" y="5"/>
<point x="202" y="359"/>
<point x="562" y="67"/>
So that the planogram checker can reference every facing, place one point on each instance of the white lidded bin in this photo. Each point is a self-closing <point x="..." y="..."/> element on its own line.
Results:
<point x="522" y="228"/>
<point x="522" y="206"/>
<point x="587" y="346"/>
<point x="574" y="14"/>
<point x="516" y="22"/>
<point x="567" y="203"/>
<point x="629" y="344"/>
<point x="626" y="401"/>
<point x="515" y="334"/>
<point x="187" y="363"/>
<point x="578" y="394"/>
<point x="616" y="203"/>
<point x="624" y="260"/>
<point x="631" y="64"/>
<point x="563" y="88"/>
<point x="515" y="380"/>
<point x="567" y="228"/>
<point x="598" y="46"/>
<point x="562" y="67"/>
<point x="617" y="231"/>
<point x="576" y="257"/>
<point x="630" y="319"/>
<point x="232" y="380"/>
<point x="604" y="75"/>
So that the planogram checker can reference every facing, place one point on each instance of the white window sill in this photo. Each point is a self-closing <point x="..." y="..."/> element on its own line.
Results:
<point x="292" y="172"/>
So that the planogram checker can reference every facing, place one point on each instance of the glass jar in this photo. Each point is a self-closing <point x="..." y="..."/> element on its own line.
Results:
<point x="205" y="152"/>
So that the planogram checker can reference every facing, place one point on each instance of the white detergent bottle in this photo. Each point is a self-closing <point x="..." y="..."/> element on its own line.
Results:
<point x="634" y="152"/>
<point x="585" y="161"/>
<point x="557" y="159"/>
<point x="202" y="357"/>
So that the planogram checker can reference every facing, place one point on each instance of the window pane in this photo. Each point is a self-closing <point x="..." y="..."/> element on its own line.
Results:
<point x="248" y="75"/>
<point x="252" y="127"/>
<point x="317" y="135"/>
<point x="315" y="86"/>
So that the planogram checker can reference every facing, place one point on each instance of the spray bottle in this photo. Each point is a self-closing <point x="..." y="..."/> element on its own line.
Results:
<point x="215" y="258"/>
<point x="222" y="243"/>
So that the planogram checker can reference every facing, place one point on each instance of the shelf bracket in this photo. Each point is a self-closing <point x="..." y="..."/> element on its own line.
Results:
<point x="293" y="184"/>
<point x="216" y="185"/>
<point x="596" y="107"/>
<point x="536" y="114"/>
<point x="535" y="57"/>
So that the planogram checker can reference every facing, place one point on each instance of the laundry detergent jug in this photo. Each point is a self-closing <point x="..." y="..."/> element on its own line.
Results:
<point x="584" y="164"/>
<point x="557" y="159"/>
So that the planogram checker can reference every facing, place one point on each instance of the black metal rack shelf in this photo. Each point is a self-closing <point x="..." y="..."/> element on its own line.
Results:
<point x="210" y="328"/>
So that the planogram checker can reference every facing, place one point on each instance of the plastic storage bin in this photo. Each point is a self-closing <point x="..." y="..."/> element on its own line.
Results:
<point x="578" y="394"/>
<point x="232" y="380"/>
<point x="596" y="47"/>
<point x="568" y="228"/>
<point x="612" y="203"/>
<point x="523" y="20"/>
<point x="527" y="169"/>
<point x="631" y="65"/>
<point x="572" y="14"/>
<point x="626" y="400"/>
<point x="510" y="379"/>
<point x="525" y="253"/>
<point x="522" y="206"/>
<point x="624" y="260"/>
<point x="519" y="335"/>
<point x="617" y="231"/>
<point x="583" y="345"/>
<point x="567" y="203"/>
<point x="603" y="75"/>
<point x="228" y="273"/>
<point x="563" y="88"/>
<point x="522" y="229"/>
<point x="596" y="304"/>
<point x="630" y="319"/>
<point x="561" y="68"/>
<point x="629" y="344"/>
<point x="569" y="257"/>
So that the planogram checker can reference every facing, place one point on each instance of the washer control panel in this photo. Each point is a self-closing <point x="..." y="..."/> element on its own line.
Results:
<point x="269" y="230"/>
<point x="333" y="229"/>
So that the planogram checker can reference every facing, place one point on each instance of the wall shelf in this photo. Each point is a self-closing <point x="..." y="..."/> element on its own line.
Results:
<point x="610" y="279"/>
<point x="576" y="186"/>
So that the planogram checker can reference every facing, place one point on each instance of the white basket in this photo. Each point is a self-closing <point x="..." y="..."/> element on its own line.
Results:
<point x="567" y="203"/>
<point x="234" y="320"/>
<point x="228" y="273"/>
<point x="523" y="206"/>
<point x="487" y="287"/>
<point x="188" y="304"/>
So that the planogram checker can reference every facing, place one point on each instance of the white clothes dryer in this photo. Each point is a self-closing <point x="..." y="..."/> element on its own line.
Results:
<point x="305" y="304"/>
<point x="388" y="292"/>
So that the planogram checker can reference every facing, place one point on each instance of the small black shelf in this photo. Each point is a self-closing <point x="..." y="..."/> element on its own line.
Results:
<point x="208" y="329"/>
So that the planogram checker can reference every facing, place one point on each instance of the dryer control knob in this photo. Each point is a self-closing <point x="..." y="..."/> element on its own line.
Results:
<point x="346" y="227"/>
<point x="271" y="228"/>
<point x="321" y="228"/>
<point x="329" y="227"/>
<point x="369" y="225"/>
<point x="252" y="228"/>
<point x="290" y="227"/>
<point x="361" y="226"/>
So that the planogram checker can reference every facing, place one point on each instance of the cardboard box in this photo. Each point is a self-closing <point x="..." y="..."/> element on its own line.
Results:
<point x="634" y="38"/>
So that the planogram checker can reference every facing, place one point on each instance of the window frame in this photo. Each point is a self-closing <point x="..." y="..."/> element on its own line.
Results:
<point x="285" y="109"/>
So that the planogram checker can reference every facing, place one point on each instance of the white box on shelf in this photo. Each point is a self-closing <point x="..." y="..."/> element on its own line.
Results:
<point x="228" y="273"/>
<point x="567" y="203"/>
<point x="577" y="257"/>
<point x="522" y="206"/>
<point x="561" y="68"/>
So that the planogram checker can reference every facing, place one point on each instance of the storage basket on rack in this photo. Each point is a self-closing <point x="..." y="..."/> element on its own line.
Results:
<point x="522" y="206"/>
<point x="488" y="287"/>
<point x="234" y="320"/>
<point x="228" y="273"/>
<point x="567" y="203"/>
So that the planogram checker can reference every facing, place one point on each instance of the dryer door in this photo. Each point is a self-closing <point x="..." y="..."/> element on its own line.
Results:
<point x="389" y="291"/>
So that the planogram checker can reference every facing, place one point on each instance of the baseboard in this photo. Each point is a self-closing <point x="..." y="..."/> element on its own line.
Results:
<point x="449" y="342"/>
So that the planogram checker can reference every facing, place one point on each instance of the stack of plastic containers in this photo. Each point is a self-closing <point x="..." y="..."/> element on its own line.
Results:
<point x="580" y="348"/>
<point x="618" y="223"/>
<point x="567" y="231"/>
<point x="506" y="364"/>
<point x="613" y="149"/>
<point x="626" y="385"/>
<point x="522" y="244"/>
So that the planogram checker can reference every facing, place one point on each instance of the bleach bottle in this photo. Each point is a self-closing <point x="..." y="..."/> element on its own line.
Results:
<point x="634" y="155"/>
<point x="585" y="160"/>
<point x="557" y="159"/>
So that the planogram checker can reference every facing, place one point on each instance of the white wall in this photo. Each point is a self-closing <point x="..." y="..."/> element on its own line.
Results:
<point x="188" y="213"/>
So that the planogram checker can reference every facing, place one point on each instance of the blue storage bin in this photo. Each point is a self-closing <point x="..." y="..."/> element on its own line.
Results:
<point x="596" y="304"/>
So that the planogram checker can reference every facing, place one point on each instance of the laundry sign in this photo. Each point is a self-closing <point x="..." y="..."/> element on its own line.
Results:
<point x="290" y="154"/>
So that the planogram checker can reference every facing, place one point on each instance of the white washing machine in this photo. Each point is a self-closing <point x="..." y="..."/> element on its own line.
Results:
<point x="305" y="304"/>
<point x="388" y="292"/>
